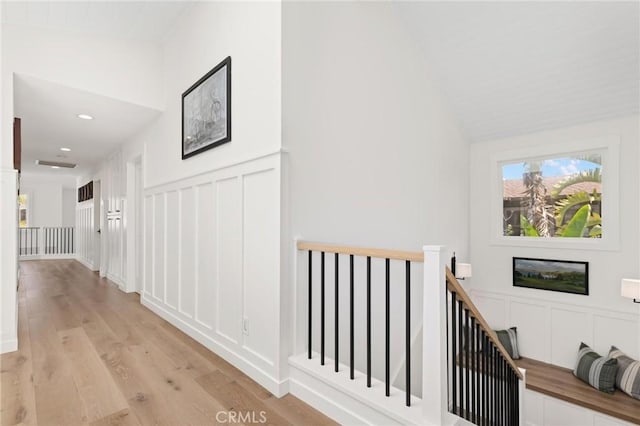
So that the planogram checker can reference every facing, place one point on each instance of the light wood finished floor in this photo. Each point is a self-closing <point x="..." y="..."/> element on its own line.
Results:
<point x="92" y="355"/>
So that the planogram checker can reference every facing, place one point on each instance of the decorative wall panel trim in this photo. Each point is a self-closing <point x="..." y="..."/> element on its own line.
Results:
<point x="559" y="327"/>
<point x="213" y="260"/>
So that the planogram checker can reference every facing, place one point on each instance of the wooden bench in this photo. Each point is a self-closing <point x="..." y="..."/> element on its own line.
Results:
<point x="560" y="383"/>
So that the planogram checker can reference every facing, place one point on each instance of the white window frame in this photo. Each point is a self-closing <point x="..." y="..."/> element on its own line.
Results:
<point x="609" y="148"/>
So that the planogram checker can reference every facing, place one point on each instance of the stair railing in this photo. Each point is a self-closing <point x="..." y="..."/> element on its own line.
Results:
<point x="484" y="384"/>
<point x="408" y="257"/>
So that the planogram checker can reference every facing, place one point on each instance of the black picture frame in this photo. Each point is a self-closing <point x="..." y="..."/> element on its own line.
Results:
<point x="565" y="276"/>
<point x="206" y="111"/>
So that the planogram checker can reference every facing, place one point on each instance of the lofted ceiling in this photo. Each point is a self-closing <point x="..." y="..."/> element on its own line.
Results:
<point x="510" y="68"/>
<point x="133" y="20"/>
<point x="49" y="122"/>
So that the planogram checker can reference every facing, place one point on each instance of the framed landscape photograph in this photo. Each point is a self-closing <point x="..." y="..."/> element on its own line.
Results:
<point x="206" y="111"/>
<point x="567" y="276"/>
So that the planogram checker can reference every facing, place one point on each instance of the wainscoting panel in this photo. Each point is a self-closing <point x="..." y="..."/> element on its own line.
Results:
<point x="214" y="266"/>
<point x="532" y="322"/>
<point x="187" y="252"/>
<point x="85" y="234"/>
<point x="229" y="260"/>
<point x="159" y="262"/>
<point x="616" y="331"/>
<point x="148" y="245"/>
<point x="205" y="281"/>
<point x="261" y="261"/>
<point x="493" y="308"/>
<point x="173" y="228"/>
<point x="568" y="328"/>
<point x="551" y="331"/>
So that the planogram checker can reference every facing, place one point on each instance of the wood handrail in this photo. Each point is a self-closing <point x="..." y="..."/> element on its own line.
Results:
<point x="413" y="256"/>
<point x="454" y="286"/>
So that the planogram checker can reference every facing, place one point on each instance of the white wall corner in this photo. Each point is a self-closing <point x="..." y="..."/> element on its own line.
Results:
<point x="8" y="261"/>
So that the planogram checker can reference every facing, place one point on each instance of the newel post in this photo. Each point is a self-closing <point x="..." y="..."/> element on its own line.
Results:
<point x="434" y="343"/>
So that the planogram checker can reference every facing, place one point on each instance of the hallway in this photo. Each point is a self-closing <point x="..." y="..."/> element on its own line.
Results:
<point x="91" y="354"/>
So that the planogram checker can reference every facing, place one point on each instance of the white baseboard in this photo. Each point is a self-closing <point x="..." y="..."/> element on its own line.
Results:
<point x="117" y="281"/>
<point x="276" y="387"/>
<point x="8" y="345"/>
<point x="86" y="263"/>
<point x="47" y="257"/>
<point x="349" y="401"/>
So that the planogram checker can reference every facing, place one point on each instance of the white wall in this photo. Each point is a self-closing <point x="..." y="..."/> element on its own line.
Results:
<point x="52" y="199"/>
<point x="376" y="159"/>
<point x="69" y="196"/>
<point x="550" y="324"/>
<point x="207" y="33"/>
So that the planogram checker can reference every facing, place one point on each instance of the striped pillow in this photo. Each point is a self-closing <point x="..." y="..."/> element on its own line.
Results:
<point x="509" y="339"/>
<point x="628" y="377"/>
<point x="600" y="372"/>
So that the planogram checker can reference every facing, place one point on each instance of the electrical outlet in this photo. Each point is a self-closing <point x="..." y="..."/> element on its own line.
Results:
<point x="245" y="326"/>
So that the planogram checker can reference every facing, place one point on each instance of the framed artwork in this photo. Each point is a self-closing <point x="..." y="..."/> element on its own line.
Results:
<point x="567" y="276"/>
<point x="206" y="111"/>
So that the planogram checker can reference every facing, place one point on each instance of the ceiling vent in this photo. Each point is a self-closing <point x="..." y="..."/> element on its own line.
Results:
<point x="55" y="164"/>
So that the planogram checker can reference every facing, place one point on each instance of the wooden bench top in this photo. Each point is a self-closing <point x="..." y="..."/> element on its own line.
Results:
<point x="560" y="383"/>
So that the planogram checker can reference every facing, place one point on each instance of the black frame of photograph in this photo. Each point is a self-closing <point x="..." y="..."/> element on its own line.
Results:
<point x="225" y="62"/>
<point x="584" y="264"/>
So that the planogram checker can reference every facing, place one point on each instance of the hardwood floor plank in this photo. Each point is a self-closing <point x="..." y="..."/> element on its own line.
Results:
<point x="121" y="418"/>
<point x="99" y="394"/>
<point x="297" y="412"/>
<point x="16" y="372"/>
<point x="235" y="398"/>
<point x="92" y="355"/>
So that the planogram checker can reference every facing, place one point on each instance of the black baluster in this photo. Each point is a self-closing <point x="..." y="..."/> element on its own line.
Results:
<point x="408" y="332"/>
<point x="37" y="240"/>
<point x="351" y="326"/>
<point x="496" y="394"/>
<point x="467" y="344"/>
<point x="460" y="359"/>
<point x="368" y="321"/>
<point x="30" y="241"/>
<point x="337" y="309"/>
<point x="478" y="373"/>
<point x="472" y="366"/>
<point x="322" y="308"/>
<point x="310" y="299"/>
<point x="454" y="354"/>
<point x="387" y="334"/>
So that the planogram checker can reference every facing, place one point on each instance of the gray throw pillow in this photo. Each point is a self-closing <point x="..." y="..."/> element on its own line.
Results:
<point x="628" y="377"/>
<point x="600" y="372"/>
<point x="509" y="339"/>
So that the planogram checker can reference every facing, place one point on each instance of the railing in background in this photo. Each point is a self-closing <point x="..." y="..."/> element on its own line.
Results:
<point x="484" y="383"/>
<point x="35" y="241"/>
<point x="28" y="243"/>
<point x="58" y="240"/>
<point x="388" y="255"/>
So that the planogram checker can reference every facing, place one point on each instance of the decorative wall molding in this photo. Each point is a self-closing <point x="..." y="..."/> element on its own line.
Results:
<point x="212" y="262"/>
<point x="540" y="409"/>
<point x="551" y="331"/>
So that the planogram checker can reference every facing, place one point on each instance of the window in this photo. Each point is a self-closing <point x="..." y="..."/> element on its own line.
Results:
<point x="557" y="194"/>
<point x="553" y="197"/>
<point x="23" y="206"/>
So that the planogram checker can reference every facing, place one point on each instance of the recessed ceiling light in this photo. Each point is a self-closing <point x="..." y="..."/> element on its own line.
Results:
<point x="65" y="149"/>
<point x="55" y="167"/>
<point x="85" y="116"/>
